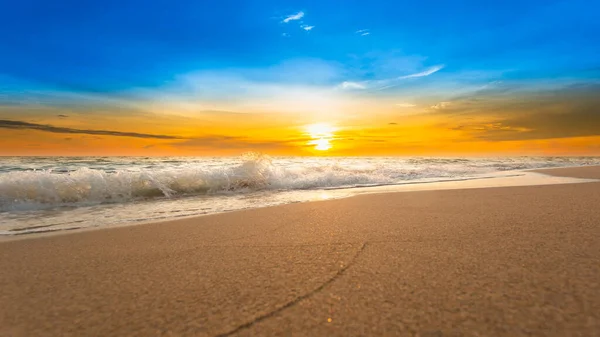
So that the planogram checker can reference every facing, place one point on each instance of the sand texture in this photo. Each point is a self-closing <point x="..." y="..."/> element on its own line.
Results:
<point x="510" y="261"/>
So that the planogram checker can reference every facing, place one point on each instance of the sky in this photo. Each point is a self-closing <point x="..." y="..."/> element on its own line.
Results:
<point x="220" y="78"/>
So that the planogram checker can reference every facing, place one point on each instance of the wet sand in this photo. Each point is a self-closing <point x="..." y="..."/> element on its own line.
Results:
<point x="507" y="261"/>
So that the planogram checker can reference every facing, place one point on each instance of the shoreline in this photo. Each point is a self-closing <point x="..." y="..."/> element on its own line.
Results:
<point x="528" y="177"/>
<point x="506" y="261"/>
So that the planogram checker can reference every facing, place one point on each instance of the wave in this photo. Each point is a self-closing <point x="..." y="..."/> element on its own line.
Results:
<point x="84" y="186"/>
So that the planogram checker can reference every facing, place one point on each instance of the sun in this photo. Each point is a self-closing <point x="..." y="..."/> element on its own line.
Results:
<point x="321" y="134"/>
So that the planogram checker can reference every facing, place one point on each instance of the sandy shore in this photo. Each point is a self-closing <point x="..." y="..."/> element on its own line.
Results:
<point x="509" y="261"/>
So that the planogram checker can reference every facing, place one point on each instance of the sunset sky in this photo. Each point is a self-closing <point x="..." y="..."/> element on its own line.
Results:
<point x="299" y="77"/>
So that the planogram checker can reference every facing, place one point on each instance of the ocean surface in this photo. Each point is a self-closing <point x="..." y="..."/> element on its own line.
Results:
<point x="42" y="194"/>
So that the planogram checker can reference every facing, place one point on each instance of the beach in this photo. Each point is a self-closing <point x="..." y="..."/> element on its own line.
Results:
<point x="505" y="261"/>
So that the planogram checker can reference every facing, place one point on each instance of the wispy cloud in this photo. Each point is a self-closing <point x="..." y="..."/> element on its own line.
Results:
<point x="19" y="125"/>
<point x="285" y="34"/>
<point x="307" y="27"/>
<point x="352" y="85"/>
<point x="405" y="105"/>
<point x="293" y="17"/>
<point x="390" y="82"/>
<point x="363" y="32"/>
<point x="440" y="105"/>
<point x="427" y="72"/>
<point x="293" y="86"/>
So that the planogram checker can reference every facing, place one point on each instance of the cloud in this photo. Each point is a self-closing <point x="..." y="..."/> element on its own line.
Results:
<point x="427" y="72"/>
<point x="365" y="34"/>
<point x="497" y="116"/>
<point x="297" y="85"/>
<point x="293" y="17"/>
<point x="390" y="82"/>
<point x="440" y="105"/>
<point x="405" y="105"/>
<point x="352" y="85"/>
<point x="535" y="126"/>
<point x="307" y="28"/>
<point x="285" y="34"/>
<point x="491" y="126"/>
<point x="19" y="125"/>
<point x="62" y="116"/>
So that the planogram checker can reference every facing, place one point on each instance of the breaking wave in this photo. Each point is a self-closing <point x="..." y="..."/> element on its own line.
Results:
<point x="84" y="185"/>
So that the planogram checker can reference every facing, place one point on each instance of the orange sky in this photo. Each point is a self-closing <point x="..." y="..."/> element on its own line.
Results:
<point x="486" y="80"/>
<point x="446" y="128"/>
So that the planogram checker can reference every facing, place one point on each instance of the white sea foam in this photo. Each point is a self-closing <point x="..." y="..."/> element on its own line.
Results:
<point x="42" y="183"/>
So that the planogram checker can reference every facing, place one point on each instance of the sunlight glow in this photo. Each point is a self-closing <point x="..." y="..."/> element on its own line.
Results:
<point x="320" y="130"/>
<point x="321" y="144"/>
<point x="321" y="134"/>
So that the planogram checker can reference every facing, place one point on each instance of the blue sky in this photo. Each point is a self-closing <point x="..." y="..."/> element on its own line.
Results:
<point x="115" y="46"/>
<point x="394" y="75"/>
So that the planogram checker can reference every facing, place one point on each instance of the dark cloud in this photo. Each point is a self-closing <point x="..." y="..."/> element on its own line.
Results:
<point x="569" y="112"/>
<point x="540" y="125"/>
<point x="392" y="123"/>
<point x="19" y="125"/>
<point x="62" y="116"/>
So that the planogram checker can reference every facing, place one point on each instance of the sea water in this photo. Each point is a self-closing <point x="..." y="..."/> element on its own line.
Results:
<point x="42" y="194"/>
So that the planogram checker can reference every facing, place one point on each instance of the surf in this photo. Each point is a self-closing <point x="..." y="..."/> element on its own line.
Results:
<point x="41" y="183"/>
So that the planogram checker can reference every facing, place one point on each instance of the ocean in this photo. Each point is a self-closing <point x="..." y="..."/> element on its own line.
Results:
<point x="44" y="194"/>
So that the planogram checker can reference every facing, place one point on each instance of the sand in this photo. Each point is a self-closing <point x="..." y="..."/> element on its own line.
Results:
<point x="508" y="261"/>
